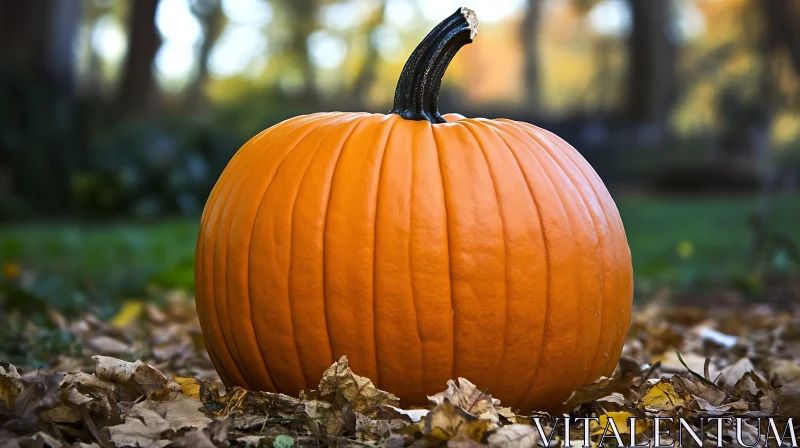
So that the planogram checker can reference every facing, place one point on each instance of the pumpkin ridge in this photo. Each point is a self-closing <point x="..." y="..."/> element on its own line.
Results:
<point x="552" y="170"/>
<point x="245" y="179"/>
<point x="603" y="301"/>
<point x="289" y="127"/>
<point x="220" y="299"/>
<point x="449" y="246"/>
<point x="550" y="173"/>
<point x="550" y="148"/>
<point x="375" y="247"/>
<point x="582" y="168"/>
<point x="227" y="217"/>
<point x="214" y="198"/>
<point x="546" y="245"/>
<point x="329" y="190"/>
<point x="333" y="125"/>
<point x="466" y="124"/>
<point x="199" y="279"/>
<point x="200" y="303"/>
<point x="220" y="337"/>
<point x="411" y="266"/>
<point x="312" y="119"/>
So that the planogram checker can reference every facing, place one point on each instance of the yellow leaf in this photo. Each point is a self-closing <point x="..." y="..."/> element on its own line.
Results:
<point x="663" y="397"/>
<point x="10" y="385"/>
<point x="685" y="249"/>
<point x="130" y="312"/>
<point x="621" y="421"/>
<point x="189" y="386"/>
<point x="11" y="270"/>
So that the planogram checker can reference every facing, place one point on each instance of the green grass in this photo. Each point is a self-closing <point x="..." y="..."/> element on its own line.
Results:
<point x="108" y="262"/>
<point x="716" y="229"/>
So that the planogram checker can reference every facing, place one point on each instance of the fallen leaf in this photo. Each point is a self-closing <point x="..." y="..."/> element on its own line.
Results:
<point x="189" y="386"/>
<point x="717" y="337"/>
<point x="621" y="421"/>
<point x="787" y="371"/>
<point x="10" y="383"/>
<point x="369" y="429"/>
<point x="670" y="363"/>
<point x="138" y="376"/>
<point x="602" y="387"/>
<point x="662" y="398"/>
<point x="732" y="373"/>
<point x="213" y="435"/>
<point x="789" y="403"/>
<point x="692" y="386"/>
<point x="179" y="410"/>
<point x="108" y="345"/>
<point x="142" y="428"/>
<point x="514" y="436"/>
<point x="412" y="415"/>
<point x="357" y="390"/>
<point x="249" y="441"/>
<point x="468" y="397"/>
<point x="446" y="421"/>
<point x="40" y="439"/>
<point x="129" y="313"/>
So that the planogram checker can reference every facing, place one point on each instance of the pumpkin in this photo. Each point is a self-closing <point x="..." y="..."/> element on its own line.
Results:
<point x="422" y="247"/>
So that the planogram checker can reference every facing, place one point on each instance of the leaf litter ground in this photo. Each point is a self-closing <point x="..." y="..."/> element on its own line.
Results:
<point x="143" y="379"/>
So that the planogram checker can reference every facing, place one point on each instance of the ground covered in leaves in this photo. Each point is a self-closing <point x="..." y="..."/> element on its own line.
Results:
<point x="143" y="378"/>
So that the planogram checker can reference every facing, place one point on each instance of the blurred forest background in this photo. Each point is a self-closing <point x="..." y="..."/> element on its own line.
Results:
<point x="116" y="117"/>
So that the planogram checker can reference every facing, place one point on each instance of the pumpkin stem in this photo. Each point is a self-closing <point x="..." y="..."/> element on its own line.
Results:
<point x="417" y="94"/>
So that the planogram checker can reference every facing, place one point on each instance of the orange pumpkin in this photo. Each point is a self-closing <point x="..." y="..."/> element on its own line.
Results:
<point x="422" y="249"/>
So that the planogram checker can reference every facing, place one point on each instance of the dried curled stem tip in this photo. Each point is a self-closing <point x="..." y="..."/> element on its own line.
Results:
<point x="417" y="94"/>
<point x="472" y="21"/>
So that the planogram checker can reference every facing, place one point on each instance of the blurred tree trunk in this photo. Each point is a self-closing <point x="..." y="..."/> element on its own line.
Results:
<point x="92" y="82"/>
<point x="137" y="88"/>
<point x="651" y="62"/>
<point x="529" y="33"/>
<point x="779" y="30"/>
<point x="302" y="17"/>
<point x="23" y="32"/>
<point x="59" y="55"/>
<point x="38" y="46"/>
<point x="211" y="18"/>
<point x="783" y="24"/>
<point x="366" y="76"/>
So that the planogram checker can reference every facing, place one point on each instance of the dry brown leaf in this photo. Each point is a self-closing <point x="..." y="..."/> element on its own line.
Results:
<point x="40" y="439"/>
<point x="468" y="397"/>
<point x="10" y="384"/>
<point x="374" y="430"/>
<point x="411" y="415"/>
<point x="514" y="436"/>
<point x="671" y="364"/>
<point x="694" y="387"/>
<point x="106" y="345"/>
<point x="732" y="373"/>
<point x="787" y="371"/>
<point x="142" y="427"/>
<point x="213" y="435"/>
<point x="447" y="421"/>
<point x="615" y="401"/>
<point x="179" y="410"/>
<point x="339" y="380"/>
<point x="602" y="387"/>
<point x="137" y="376"/>
<point x="789" y="402"/>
